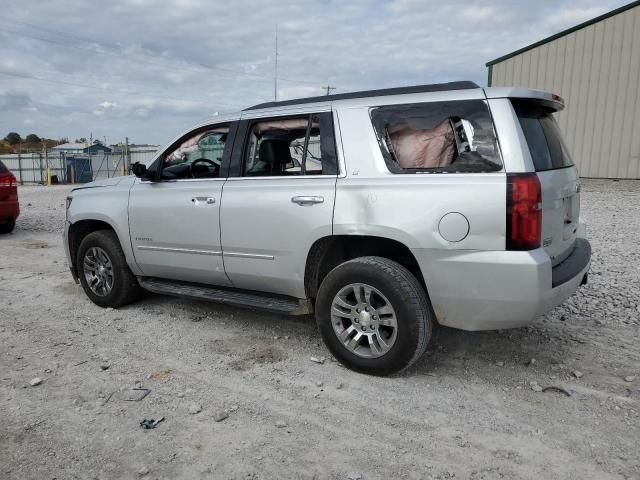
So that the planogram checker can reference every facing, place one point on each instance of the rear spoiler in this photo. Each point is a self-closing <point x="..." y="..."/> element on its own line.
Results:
<point x="551" y="100"/>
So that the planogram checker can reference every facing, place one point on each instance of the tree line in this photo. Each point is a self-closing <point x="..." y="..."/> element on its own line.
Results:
<point x="14" y="143"/>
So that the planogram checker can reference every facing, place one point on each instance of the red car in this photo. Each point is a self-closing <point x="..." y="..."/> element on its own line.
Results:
<point x="9" y="207"/>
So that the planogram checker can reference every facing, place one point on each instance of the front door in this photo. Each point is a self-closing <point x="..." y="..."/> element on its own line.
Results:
<point x="280" y="201"/>
<point x="175" y="220"/>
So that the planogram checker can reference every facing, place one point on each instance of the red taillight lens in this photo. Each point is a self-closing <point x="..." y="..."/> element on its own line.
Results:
<point x="524" y="211"/>
<point x="7" y="180"/>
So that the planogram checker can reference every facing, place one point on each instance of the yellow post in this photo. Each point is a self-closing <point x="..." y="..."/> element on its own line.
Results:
<point x="73" y="175"/>
<point x="49" y="176"/>
<point x="122" y="172"/>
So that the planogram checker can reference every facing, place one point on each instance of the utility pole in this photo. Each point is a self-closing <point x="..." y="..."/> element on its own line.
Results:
<point x="275" y="77"/>
<point x="329" y="88"/>
<point x="126" y="159"/>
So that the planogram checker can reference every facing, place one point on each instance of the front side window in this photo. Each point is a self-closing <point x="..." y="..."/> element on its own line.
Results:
<point x="437" y="137"/>
<point x="293" y="146"/>
<point x="198" y="156"/>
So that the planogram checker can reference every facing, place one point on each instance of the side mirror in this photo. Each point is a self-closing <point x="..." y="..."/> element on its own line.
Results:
<point x="140" y="170"/>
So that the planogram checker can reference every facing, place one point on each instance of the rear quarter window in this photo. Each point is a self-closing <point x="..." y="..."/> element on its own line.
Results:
<point x="546" y="145"/>
<point x="437" y="137"/>
<point x="3" y="168"/>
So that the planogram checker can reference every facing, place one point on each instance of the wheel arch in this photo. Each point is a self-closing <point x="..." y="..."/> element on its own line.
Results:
<point x="79" y="230"/>
<point x="328" y="252"/>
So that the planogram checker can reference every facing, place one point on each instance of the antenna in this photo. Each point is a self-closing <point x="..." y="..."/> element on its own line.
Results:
<point x="329" y="88"/>
<point x="275" y="78"/>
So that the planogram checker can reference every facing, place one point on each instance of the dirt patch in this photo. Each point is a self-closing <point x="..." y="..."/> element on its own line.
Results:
<point x="70" y="288"/>
<point x="258" y="355"/>
<point x="34" y="244"/>
<point x="162" y="375"/>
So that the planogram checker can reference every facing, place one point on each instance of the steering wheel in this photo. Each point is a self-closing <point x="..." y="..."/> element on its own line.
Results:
<point x="206" y="161"/>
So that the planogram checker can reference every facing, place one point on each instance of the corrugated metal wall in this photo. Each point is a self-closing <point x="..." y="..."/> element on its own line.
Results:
<point x="597" y="71"/>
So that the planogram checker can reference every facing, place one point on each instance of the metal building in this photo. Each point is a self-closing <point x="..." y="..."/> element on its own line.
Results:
<point x="595" y="67"/>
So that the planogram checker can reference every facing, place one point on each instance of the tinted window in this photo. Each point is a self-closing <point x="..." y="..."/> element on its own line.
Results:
<point x="291" y="146"/>
<point x="3" y="168"/>
<point x="437" y="137"/>
<point x="543" y="135"/>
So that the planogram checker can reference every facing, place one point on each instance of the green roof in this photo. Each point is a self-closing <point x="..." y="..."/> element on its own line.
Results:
<point x="624" y="8"/>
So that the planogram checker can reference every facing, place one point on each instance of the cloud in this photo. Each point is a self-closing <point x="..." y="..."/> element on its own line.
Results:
<point x="149" y="69"/>
<point x="568" y="17"/>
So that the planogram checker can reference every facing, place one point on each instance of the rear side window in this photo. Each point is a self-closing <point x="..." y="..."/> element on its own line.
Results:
<point x="546" y="145"/>
<point x="291" y="146"/>
<point x="3" y="168"/>
<point x="437" y="137"/>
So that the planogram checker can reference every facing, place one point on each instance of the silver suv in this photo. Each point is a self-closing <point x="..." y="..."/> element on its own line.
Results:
<point x="384" y="212"/>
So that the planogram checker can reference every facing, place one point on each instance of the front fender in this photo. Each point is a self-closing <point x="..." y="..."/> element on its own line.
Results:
<point x="109" y="205"/>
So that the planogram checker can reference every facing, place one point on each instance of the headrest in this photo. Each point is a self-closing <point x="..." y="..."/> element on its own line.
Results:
<point x="275" y="152"/>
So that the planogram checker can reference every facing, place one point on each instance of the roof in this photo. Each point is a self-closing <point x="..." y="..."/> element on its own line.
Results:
<point x="81" y="147"/>
<point x="70" y="146"/>
<point x="612" y="13"/>
<point x="436" y="87"/>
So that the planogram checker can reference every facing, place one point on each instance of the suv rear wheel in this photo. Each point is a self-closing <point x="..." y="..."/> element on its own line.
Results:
<point x="374" y="315"/>
<point x="103" y="270"/>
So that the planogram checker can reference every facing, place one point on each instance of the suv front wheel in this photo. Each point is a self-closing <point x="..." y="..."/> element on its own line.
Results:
<point x="374" y="315"/>
<point x="103" y="270"/>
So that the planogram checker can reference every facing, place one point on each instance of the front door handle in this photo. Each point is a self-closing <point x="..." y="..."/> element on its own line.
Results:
<point x="307" y="200"/>
<point x="203" y="200"/>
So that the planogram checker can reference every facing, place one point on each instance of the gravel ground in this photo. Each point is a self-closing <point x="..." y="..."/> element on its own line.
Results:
<point x="470" y="408"/>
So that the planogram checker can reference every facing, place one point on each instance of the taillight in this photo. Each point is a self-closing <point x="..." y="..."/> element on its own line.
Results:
<point x="524" y="211"/>
<point x="7" y="180"/>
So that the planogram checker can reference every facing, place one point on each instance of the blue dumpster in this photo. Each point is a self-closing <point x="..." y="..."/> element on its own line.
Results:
<point x="82" y="170"/>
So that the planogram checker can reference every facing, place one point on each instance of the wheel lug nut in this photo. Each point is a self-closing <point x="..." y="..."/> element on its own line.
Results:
<point x="366" y="309"/>
<point x="357" y="310"/>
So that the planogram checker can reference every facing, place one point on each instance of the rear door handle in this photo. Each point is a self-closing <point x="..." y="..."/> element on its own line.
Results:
<point x="203" y="200"/>
<point x="307" y="200"/>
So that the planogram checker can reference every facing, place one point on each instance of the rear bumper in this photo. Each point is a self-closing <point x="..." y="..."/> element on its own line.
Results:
<point x="9" y="210"/>
<point x="473" y="290"/>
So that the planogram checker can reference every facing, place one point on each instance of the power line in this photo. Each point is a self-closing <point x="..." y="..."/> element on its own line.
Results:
<point x="118" y="52"/>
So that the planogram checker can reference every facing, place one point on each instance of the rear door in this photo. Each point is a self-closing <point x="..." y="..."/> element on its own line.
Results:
<point x="278" y="199"/>
<point x="558" y="177"/>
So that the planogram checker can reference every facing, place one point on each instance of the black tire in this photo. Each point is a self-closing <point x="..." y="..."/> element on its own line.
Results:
<point x="407" y="297"/>
<point x="125" y="286"/>
<point x="8" y="226"/>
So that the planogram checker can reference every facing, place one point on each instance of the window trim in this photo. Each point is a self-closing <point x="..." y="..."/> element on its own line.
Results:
<point x="241" y="142"/>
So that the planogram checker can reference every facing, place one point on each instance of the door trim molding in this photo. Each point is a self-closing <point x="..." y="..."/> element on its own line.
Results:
<point x="249" y="255"/>
<point x="178" y="250"/>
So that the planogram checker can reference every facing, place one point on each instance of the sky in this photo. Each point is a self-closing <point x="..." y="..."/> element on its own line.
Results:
<point x="149" y="70"/>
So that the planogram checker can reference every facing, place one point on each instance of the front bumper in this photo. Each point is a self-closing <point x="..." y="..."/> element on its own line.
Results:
<point x="473" y="290"/>
<point x="67" y="252"/>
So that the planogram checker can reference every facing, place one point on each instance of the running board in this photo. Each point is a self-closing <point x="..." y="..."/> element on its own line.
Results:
<point x="239" y="298"/>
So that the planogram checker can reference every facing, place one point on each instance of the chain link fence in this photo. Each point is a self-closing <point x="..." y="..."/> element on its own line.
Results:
<point x="58" y="167"/>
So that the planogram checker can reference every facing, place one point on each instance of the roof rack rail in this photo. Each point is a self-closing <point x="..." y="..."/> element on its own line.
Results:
<point x="436" y="87"/>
